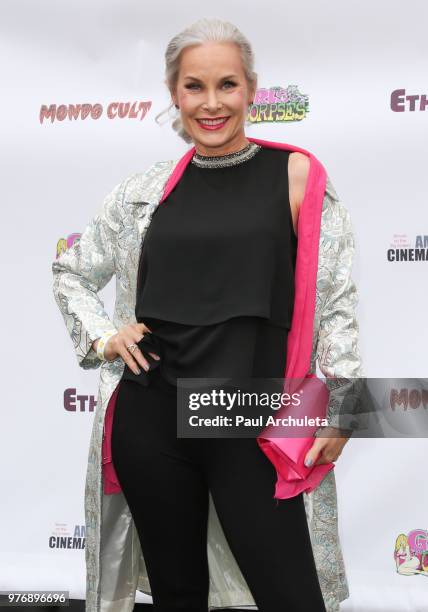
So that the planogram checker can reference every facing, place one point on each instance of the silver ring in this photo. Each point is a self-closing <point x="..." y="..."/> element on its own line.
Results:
<point x="131" y="348"/>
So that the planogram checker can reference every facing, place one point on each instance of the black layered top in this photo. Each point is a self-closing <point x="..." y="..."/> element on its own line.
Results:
<point x="216" y="273"/>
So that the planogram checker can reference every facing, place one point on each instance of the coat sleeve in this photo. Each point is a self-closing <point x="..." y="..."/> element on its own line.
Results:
<point x="82" y="271"/>
<point x="338" y="350"/>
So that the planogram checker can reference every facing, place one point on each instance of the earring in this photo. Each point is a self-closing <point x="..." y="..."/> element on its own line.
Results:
<point x="176" y="106"/>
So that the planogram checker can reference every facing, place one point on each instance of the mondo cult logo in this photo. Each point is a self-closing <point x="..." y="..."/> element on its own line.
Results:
<point x="278" y="104"/>
<point x="51" y="113"/>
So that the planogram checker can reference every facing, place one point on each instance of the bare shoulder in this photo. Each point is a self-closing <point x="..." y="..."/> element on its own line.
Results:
<point x="298" y="171"/>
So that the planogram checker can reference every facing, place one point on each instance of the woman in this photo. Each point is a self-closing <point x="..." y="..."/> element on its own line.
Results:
<point x="146" y="523"/>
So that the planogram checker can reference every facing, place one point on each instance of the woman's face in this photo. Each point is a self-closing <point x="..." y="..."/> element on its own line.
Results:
<point x="212" y="85"/>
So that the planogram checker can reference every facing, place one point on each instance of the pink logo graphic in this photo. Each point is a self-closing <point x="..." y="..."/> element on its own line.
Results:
<point x="411" y="553"/>
<point x="278" y="104"/>
<point x="65" y="243"/>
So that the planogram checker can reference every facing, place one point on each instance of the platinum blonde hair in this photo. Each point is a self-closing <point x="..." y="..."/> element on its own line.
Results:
<point x="203" y="30"/>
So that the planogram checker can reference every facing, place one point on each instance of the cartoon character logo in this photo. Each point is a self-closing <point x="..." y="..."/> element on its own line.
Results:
<point x="411" y="553"/>
<point x="65" y="243"/>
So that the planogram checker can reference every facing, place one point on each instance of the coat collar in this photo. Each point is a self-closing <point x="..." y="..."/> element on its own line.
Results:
<point x="300" y="337"/>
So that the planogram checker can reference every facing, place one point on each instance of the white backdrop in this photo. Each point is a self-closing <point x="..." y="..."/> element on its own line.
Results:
<point x="348" y="58"/>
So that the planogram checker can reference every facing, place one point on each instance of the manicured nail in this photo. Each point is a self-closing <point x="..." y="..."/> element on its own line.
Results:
<point x="308" y="462"/>
<point x="146" y="366"/>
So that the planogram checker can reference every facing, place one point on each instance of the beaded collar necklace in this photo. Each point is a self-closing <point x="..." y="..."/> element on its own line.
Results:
<point x="230" y="159"/>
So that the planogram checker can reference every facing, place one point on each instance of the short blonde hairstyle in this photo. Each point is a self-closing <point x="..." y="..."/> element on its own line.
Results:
<point x="203" y="30"/>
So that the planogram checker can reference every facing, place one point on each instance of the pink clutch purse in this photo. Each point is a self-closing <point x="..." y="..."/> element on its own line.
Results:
<point x="287" y="454"/>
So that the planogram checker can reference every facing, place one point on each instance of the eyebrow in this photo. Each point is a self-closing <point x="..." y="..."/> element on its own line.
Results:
<point x="229" y="76"/>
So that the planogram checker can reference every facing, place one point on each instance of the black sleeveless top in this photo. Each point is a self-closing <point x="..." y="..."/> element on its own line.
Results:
<point x="216" y="272"/>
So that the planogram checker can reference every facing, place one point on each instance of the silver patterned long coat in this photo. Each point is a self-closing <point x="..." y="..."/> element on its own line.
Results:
<point x="110" y="246"/>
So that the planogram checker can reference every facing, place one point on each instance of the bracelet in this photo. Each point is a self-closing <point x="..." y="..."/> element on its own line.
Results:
<point x="102" y="344"/>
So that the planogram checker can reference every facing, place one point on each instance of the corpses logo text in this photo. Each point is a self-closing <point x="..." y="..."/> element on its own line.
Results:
<point x="278" y="104"/>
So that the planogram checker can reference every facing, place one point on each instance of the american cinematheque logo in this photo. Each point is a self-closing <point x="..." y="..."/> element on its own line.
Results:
<point x="63" y="536"/>
<point x="411" y="553"/>
<point x="278" y="104"/>
<point x="403" y="248"/>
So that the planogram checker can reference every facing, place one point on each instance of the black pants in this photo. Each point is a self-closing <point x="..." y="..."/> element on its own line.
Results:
<point x="165" y="481"/>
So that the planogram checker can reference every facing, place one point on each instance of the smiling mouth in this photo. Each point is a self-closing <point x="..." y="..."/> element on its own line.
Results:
<point x="212" y="124"/>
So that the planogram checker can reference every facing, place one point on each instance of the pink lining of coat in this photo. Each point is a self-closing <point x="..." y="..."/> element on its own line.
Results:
<point x="299" y="345"/>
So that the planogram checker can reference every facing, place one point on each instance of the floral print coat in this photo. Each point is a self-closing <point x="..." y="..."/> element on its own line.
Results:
<point x="324" y="331"/>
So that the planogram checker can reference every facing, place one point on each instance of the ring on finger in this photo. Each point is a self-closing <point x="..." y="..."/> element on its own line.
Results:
<point x="131" y="348"/>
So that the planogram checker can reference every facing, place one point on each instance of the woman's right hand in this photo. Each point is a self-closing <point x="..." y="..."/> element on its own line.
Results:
<point x="116" y="347"/>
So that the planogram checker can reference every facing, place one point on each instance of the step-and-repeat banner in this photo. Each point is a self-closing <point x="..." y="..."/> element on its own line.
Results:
<point x="82" y="83"/>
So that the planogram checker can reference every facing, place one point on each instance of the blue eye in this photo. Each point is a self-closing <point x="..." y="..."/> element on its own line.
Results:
<point x="196" y="85"/>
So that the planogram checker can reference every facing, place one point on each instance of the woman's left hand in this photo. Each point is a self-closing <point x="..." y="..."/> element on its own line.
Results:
<point x="327" y="448"/>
